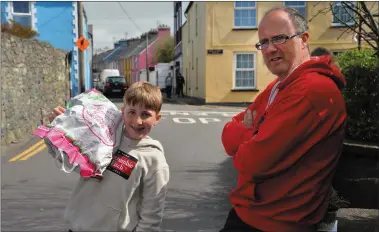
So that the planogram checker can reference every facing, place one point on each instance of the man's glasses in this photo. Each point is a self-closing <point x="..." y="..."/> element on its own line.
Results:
<point x="276" y="40"/>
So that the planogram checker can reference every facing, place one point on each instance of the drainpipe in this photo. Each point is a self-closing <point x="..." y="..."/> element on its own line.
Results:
<point x="81" y="54"/>
<point x="147" y="60"/>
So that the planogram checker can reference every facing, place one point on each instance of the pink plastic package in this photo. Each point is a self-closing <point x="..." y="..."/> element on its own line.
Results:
<point x="85" y="135"/>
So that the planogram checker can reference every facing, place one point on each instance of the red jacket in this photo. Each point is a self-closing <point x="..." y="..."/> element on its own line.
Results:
<point x="286" y="162"/>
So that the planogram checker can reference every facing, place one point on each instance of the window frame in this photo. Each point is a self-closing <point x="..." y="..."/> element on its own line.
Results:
<point x="30" y="14"/>
<point x="254" y="8"/>
<point x="305" y="7"/>
<point x="254" y="69"/>
<point x="339" y="24"/>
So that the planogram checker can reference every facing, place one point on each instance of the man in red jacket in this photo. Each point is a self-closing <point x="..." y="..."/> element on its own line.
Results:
<point x="287" y="144"/>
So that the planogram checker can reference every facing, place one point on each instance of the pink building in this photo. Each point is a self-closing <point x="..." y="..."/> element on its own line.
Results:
<point x="138" y="56"/>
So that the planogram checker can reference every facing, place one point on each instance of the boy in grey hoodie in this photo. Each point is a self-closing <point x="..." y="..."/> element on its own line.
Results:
<point x="131" y="196"/>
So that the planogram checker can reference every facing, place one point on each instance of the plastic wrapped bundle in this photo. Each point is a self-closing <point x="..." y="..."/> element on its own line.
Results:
<point x="85" y="135"/>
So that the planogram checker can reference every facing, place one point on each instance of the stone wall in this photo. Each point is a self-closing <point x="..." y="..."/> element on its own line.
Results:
<point x="34" y="79"/>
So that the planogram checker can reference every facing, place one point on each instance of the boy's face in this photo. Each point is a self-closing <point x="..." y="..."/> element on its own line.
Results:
<point x="138" y="120"/>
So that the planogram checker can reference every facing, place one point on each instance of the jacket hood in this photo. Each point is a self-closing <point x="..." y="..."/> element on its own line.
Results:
<point x="324" y="65"/>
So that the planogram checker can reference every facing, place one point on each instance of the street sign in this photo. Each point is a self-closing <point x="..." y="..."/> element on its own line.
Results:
<point x="215" y="51"/>
<point x="82" y="43"/>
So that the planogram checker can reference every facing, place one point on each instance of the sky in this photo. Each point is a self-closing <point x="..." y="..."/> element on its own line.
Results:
<point x="110" y="23"/>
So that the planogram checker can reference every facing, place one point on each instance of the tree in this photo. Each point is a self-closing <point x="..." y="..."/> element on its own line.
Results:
<point x="364" y="20"/>
<point x="164" y="52"/>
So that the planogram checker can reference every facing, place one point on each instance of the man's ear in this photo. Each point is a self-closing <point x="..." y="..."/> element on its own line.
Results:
<point x="158" y="117"/>
<point x="304" y="39"/>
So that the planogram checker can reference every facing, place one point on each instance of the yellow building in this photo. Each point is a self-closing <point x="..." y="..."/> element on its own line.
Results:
<point x="220" y="61"/>
<point x="128" y="69"/>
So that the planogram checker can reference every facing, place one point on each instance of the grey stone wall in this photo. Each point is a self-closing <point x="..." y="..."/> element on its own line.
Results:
<point x="34" y="79"/>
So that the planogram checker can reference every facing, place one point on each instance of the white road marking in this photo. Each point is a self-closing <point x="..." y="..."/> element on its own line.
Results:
<point x="197" y="113"/>
<point x="184" y="120"/>
<point x="206" y="120"/>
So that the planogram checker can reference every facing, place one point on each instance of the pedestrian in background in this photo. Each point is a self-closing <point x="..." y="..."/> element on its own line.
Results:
<point x="180" y="82"/>
<point x="168" y="83"/>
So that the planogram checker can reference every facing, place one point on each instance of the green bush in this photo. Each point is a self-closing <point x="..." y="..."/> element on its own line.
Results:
<point x="361" y="71"/>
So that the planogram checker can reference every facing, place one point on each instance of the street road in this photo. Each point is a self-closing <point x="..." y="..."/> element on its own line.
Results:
<point x="34" y="191"/>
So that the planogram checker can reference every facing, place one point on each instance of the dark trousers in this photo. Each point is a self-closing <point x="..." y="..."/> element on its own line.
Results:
<point x="179" y="90"/>
<point x="168" y="91"/>
<point x="235" y="224"/>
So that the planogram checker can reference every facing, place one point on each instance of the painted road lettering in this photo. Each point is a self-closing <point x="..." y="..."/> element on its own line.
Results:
<point x="184" y="120"/>
<point x="206" y="120"/>
<point x="201" y="114"/>
<point x="198" y="113"/>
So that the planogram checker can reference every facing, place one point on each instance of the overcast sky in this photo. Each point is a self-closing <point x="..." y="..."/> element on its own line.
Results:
<point x="110" y="22"/>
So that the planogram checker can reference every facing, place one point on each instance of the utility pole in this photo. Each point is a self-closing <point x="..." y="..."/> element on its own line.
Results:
<point x="147" y="60"/>
<point x="81" y="54"/>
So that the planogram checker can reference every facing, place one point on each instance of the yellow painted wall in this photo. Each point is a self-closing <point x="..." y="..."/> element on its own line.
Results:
<point x="220" y="68"/>
<point x="218" y="22"/>
<point x="128" y="70"/>
<point x="186" y="57"/>
<point x="194" y="51"/>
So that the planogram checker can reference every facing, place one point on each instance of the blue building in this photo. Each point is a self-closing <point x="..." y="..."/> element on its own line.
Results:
<point x="57" y="24"/>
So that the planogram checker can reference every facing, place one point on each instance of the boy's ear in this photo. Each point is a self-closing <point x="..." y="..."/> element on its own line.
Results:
<point x="122" y="111"/>
<point x="158" y="117"/>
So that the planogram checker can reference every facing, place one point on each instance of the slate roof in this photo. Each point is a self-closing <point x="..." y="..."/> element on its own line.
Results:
<point x="142" y="45"/>
<point x="126" y="51"/>
<point x="99" y="57"/>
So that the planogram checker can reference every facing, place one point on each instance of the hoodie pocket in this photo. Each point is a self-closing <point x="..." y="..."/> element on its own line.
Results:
<point x="248" y="191"/>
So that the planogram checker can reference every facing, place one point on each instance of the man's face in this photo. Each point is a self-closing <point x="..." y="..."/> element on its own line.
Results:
<point x="281" y="59"/>
<point x="139" y="121"/>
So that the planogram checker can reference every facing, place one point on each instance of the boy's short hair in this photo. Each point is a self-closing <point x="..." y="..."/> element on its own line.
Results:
<point x="145" y="94"/>
<point x="320" y="51"/>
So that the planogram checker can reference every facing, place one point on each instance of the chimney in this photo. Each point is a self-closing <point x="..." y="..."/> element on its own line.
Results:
<point x="163" y="30"/>
<point x="122" y="42"/>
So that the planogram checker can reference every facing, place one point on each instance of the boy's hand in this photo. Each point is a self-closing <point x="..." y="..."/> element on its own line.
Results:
<point x="56" y="112"/>
<point x="248" y="118"/>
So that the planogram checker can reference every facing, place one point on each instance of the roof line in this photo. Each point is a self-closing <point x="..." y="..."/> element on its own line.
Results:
<point x="111" y="53"/>
<point x="148" y="45"/>
<point x="188" y="7"/>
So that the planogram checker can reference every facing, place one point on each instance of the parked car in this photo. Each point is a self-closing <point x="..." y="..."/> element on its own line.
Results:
<point x="115" y="85"/>
<point x="103" y="76"/>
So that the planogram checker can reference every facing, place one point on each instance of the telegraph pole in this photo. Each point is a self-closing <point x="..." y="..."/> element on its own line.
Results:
<point x="81" y="54"/>
<point x="147" y="60"/>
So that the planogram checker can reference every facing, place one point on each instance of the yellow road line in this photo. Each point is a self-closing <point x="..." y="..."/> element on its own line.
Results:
<point x="26" y="151"/>
<point x="34" y="152"/>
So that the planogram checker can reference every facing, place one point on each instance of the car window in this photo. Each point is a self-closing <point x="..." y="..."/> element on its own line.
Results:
<point x="116" y="79"/>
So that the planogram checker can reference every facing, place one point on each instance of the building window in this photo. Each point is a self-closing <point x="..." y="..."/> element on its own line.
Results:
<point x="245" y="15"/>
<point x="297" y="5"/>
<point x="22" y="13"/>
<point x="341" y="14"/>
<point x="244" y="71"/>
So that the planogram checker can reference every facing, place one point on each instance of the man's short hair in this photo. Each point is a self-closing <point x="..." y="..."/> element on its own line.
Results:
<point x="297" y="19"/>
<point x="144" y="94"/>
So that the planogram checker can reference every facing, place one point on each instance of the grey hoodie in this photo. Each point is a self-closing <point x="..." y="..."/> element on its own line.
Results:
<point x="130" y="197"/>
